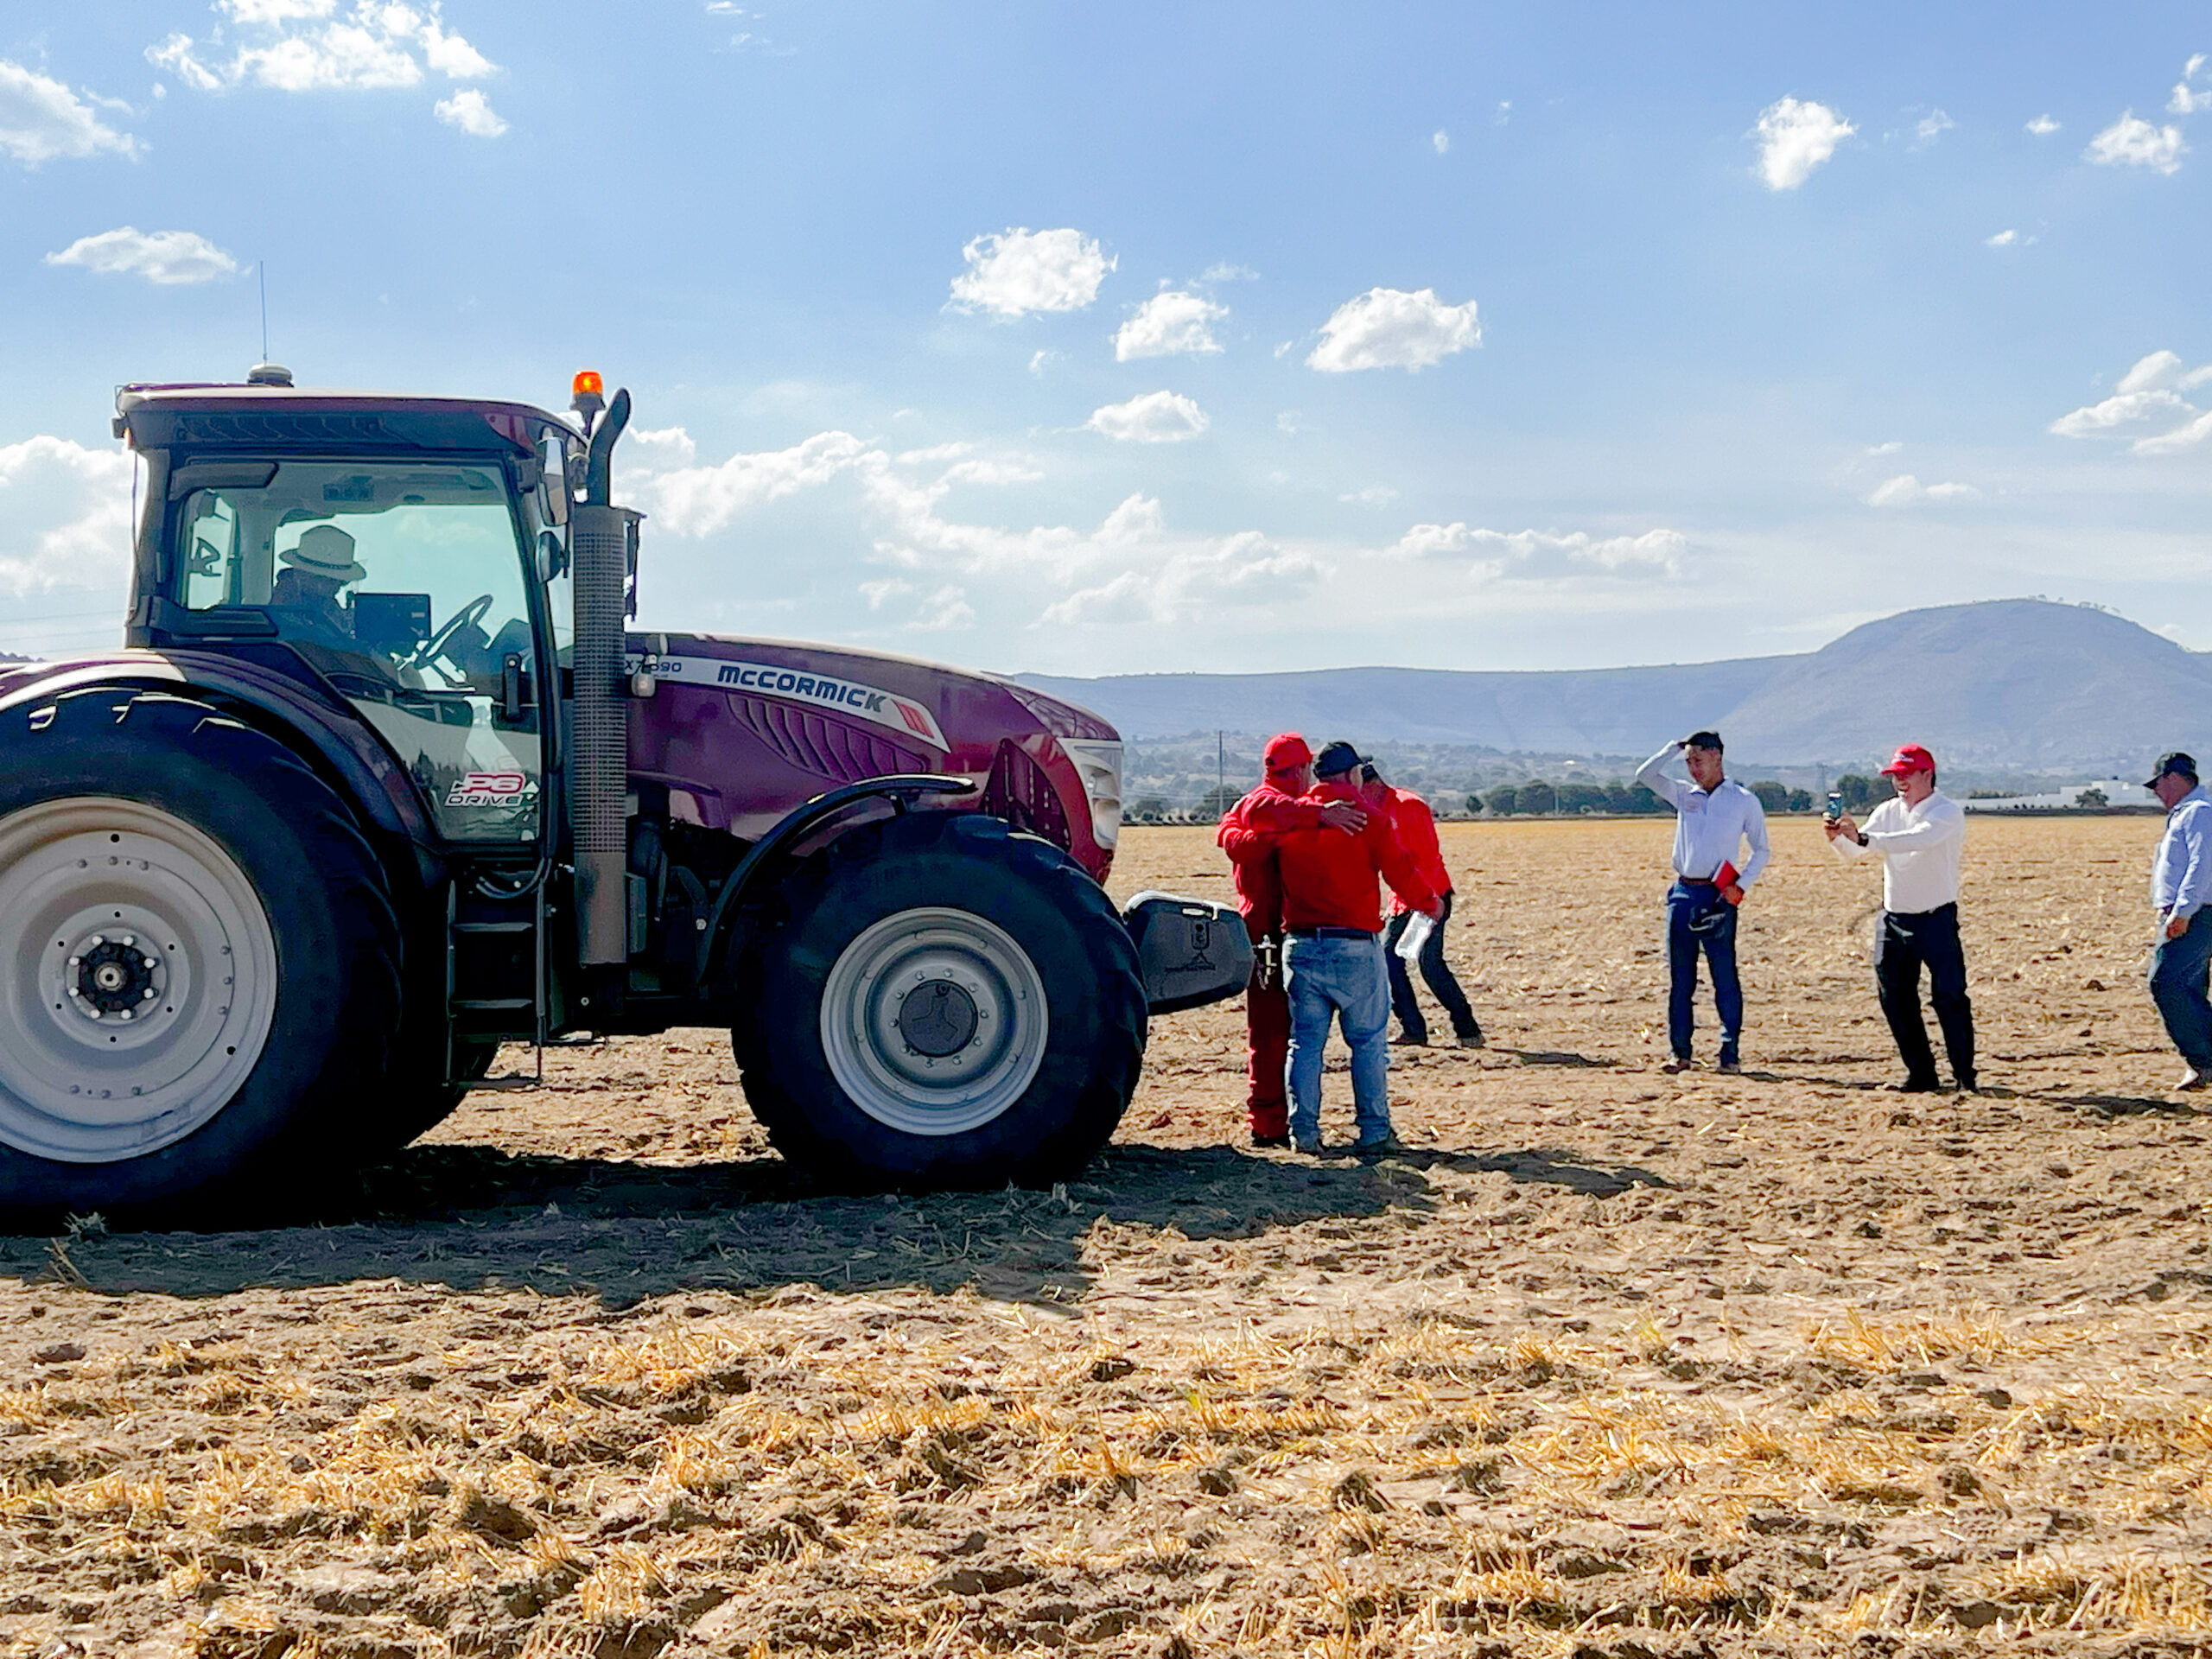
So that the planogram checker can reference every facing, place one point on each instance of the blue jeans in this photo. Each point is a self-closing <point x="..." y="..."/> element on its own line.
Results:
<point x="2178" y="975"/>
<point x="1343" y="979"/>
<point x="1698" y="919"/>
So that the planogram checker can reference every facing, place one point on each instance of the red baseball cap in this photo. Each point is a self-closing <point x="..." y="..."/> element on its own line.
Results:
<point x="1910" y="757"/>
<point x="1286" y="751"/>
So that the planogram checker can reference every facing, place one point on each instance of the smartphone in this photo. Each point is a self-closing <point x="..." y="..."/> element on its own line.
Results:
<point x="1835" y="806"/>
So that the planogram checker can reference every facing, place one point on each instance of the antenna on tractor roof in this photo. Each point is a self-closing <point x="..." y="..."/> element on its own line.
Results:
<point x="265" y="374"/>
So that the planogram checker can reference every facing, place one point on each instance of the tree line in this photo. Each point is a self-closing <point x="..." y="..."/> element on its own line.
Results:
<point x="1538" y="798"/>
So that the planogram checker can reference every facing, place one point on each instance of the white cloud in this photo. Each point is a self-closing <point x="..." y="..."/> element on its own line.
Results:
<point x="1226" y="272"/>
<point x="469" y="111"/>
<point x="2149" y="396"/>
<point x="948" y="608"/>
<point x="41" y="120"/>
<point x="1795" y="138"/>
<point x="693" y="500"/>
<point x="2002" y="239"/>
<point x="305" y="46"/>
<point x="1177" y="579"/>
<point x="1040" y="361"/>
<point x="1932" y="126"/>
<point x="1290" y="422"/>
<point x="1131" y="567"/>
<point x="1546" y="555"/>
<point x="64" y="516"/>
<point x="2043" y="126"/>
<point x="1023" y="271"/>
<point x="1906" y="491"/>
<point x="1390" y="328"/>
<point x="1150" y="417"/>
<point x="1441" y="140"/>
<point x="2185" y="101"/>
<point x="879" y="594"/>
<point x="1167" y="324"/>
<point x="167" y="257"/>
<point x="2131" y="142"/>
<point x="1889" y="449"/>
<point x="666" y="446"/>
<point x="1374" y="495"/>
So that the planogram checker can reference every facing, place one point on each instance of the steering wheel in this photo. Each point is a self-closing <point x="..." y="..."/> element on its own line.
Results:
<point x="429" y="651"/>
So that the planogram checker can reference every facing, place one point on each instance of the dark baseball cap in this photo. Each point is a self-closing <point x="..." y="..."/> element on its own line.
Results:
<point x="2173" y="760"/>
<point x="1336" y="757"/>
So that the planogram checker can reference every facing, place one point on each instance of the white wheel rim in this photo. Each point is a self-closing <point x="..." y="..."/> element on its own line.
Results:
<point x="101" y="902"/>
<point x="981" y="1025"/>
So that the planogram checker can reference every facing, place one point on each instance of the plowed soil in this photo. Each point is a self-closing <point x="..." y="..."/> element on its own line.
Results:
<point x="1610" y="1364"/>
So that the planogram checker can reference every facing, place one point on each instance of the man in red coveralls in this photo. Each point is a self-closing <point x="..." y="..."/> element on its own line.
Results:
<point x="1334" y="962"/>
<point x="1247" y="834"/>
<point x="1416" y="828"/>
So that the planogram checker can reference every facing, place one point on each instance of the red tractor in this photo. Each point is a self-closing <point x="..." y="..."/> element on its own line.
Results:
<point x="381" y="781"/>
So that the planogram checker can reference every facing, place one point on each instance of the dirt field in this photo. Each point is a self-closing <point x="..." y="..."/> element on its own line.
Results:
<point x="1615" y="1363"/>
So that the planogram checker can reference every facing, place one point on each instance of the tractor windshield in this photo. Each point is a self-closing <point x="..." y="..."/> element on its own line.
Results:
<point x="404" y="585"/>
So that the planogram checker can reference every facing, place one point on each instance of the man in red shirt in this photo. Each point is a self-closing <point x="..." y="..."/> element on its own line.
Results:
<point x="1416" y="827"/>
<point x="1332" y="914"/>
<point x="1248" y="834"/>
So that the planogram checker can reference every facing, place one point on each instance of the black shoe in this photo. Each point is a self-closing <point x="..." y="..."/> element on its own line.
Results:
<point x="1970" y="1084"/>
<point x="1915" y="1086"/>
<point x="1273" y="1142"/>
<point x="1402" y="1041"/>
<point x="1472" y="1037"/>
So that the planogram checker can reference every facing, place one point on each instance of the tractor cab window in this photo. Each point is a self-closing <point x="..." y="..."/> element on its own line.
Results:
<point x="406" y="586"/>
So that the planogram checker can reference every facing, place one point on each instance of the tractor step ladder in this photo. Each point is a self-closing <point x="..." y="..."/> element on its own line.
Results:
<point x="456" y="930"/>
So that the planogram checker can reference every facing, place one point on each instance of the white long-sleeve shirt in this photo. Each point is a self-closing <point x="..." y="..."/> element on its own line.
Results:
<point x="1919" y="846"/>
<point x="1710" y="827"/>
<point x="2181" y="880"/>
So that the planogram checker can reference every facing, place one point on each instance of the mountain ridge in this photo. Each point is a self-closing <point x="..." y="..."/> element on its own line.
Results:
<point x="2032" y="684"/>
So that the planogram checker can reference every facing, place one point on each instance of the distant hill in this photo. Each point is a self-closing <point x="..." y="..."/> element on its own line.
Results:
<point x="2018" y="683"/>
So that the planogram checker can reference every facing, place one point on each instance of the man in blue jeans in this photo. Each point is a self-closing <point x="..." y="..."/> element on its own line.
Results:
<point x="2180" y="882"/>
<point x="1714" y="819"/>
<point x="1331" y="912"/>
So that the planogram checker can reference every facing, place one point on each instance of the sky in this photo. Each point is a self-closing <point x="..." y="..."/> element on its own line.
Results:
<point x="1094" y="340"/>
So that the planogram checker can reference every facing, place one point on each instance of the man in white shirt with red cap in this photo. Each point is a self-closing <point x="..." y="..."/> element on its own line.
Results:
<point x="1919" y="834"/>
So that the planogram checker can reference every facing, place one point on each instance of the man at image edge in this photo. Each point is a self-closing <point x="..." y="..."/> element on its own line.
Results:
<point x="1249" y="832"/>
<point x="2179" y="881"/>
<point x="1919" y="834"/>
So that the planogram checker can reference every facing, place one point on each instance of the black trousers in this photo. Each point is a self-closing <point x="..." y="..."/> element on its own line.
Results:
<point x="1903" y="943"/>
<point x="1436" y="971"/>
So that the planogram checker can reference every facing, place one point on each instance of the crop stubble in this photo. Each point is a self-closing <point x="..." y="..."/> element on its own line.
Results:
<point x="1613" y="1362"/>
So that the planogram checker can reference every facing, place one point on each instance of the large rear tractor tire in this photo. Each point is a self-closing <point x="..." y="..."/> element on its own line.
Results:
<point x="198" y="960"/>
<point x="946" y="1003"/>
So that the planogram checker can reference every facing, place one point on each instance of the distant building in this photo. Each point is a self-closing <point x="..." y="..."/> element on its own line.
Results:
<point x="2104" y="794"/>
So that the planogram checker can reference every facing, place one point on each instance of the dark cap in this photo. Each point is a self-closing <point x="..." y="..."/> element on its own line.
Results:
<point x="1702" y="740"/>
<point x="1338" y="756"/>
<point x="2176" y="760"/>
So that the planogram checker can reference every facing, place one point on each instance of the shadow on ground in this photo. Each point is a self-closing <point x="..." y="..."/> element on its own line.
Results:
<point x="474" y="1218"/>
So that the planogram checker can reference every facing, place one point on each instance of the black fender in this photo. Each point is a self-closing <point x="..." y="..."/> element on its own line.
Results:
<point x="329" y="737"/>
<point x="899" y="788"/>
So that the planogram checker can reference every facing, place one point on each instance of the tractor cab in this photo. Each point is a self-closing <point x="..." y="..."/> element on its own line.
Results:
<point x="404" y="556"/>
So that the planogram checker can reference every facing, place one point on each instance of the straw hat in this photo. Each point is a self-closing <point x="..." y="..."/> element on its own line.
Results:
<point x="325" y="550"/>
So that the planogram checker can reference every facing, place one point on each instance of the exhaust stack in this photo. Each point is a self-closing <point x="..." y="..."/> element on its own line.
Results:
<point x="600" y="539"/>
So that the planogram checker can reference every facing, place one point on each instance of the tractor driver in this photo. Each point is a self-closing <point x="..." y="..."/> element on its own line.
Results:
<point x="305" y="596"/>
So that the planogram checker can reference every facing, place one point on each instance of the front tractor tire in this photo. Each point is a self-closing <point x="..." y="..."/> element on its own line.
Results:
<point x="946" y="1003"/>
<point x="198" y="956"/>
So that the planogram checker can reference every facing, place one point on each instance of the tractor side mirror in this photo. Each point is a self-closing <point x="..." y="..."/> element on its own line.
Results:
<point x="552" y="557"/>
